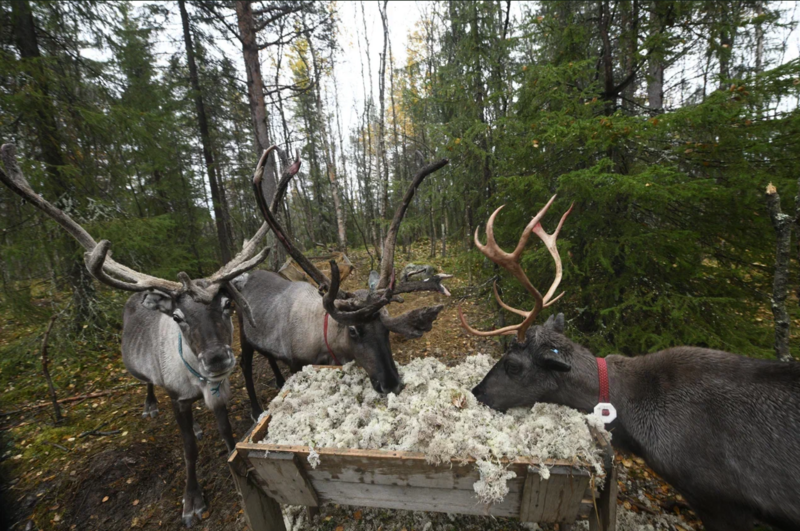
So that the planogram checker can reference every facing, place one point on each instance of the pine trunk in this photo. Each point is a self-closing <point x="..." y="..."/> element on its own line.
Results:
<point x="220" y="211"/>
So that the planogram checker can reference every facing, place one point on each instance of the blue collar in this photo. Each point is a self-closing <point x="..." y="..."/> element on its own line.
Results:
<point x="214" y="390"/>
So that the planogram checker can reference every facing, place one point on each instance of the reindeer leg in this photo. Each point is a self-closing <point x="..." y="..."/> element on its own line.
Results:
<point x="279" y="381"/>
<point x="193" y="504"/>
<point x="150" y="403"/>
<point x="224" y="425"/>
<point x="246" y="362"/>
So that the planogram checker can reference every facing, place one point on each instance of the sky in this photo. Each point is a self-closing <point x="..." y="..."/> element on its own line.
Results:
<point x="403" y="17"/>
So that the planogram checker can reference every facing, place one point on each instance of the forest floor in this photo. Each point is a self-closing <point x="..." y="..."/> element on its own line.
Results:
<point x="106" y="468"/>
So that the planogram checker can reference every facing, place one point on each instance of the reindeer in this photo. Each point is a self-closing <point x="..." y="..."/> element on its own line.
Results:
<point x="723" y="429"/>
<point x="291" y="319"/>
<point x="176" y="335"/>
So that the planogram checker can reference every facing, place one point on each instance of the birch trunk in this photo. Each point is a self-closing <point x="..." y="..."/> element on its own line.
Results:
<point x="780" y="286"/>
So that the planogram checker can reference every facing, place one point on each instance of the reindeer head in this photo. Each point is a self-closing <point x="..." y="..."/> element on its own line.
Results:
<point x="363" y="313"/>
<point x="201" y="307"/>
<point x="534" y="366"/>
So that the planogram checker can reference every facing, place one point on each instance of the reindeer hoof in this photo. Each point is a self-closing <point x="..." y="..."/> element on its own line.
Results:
<point x="254" y="414"/>
<point x="198" y="431"/>
<point x="193" y="507"/>
<point x="151" y="412"/>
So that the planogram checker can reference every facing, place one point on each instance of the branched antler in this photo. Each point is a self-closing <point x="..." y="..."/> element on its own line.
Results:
<point x="389" y="244"/>
<point x="367" y="310"/>
<point x="317" y="275"/>
<point x="511" y="263"/>
<point x="106" y="269"/>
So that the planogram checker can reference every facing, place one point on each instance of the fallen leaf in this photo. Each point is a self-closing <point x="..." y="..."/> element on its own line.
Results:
<point x="135" y="502"/>
<point x="105" y="499"/>
<point x="357" y="515"/>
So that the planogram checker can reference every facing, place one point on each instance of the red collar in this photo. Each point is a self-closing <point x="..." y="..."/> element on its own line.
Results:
<point x="325" y="335"/>
<point x="602" y="374"/>
<point x="604" y="410"/>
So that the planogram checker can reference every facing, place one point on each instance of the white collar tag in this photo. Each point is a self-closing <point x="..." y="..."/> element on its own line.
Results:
<point x="605" y="412"/>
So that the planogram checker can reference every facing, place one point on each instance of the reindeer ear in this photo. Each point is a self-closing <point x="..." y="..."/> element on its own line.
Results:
<point x="555" y="323"/>
<point x="240" y="281"/>
<point x="414" y="323"/>
<point x="156" y="300"/>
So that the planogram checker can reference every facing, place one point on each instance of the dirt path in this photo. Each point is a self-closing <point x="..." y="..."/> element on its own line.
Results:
<point x="133" y="479"/>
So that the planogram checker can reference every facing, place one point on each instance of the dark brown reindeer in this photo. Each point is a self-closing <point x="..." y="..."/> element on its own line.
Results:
<point x="176" y="335"/>
<point x="291" y="319"/>
<point x="724" y="430"/>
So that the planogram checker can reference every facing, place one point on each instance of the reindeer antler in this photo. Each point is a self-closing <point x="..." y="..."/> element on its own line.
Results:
<point x="511" y="263"/>
<point x="317" y="275"/>
<point x="433" y="283"/>
<point x="116" y="275"/>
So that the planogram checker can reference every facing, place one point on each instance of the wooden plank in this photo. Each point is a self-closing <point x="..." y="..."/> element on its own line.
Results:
<point x="303" y="451"/>
<point x="259" y="431"/>
<point x="395" y="473"/>
<point x="284" y="478"/>
<point x="606" y="504"/>
<point x="576" y="490"/>
<point x="261" y="512"/>
<point x="564" y="494"/>
<point x="418" y="498"/>
<point x="534" y="494"/>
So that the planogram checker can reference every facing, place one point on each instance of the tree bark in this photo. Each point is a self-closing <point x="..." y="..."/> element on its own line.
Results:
<point x="384" y="170"/>
<point x="783" y="232"/>
<point x="655" y="66"/>
<point x="258" y="108"/>
<point x="220" y="209"/>
<point x="759" y="8"/>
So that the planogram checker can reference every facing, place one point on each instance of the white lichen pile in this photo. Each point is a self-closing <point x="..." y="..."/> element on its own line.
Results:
<point x="436" y="414"/>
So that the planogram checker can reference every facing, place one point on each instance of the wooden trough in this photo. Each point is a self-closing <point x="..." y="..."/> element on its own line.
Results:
<point x="267" y="475"/>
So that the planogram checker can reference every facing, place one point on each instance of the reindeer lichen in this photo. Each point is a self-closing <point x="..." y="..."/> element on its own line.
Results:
<point x="436" y="414"/>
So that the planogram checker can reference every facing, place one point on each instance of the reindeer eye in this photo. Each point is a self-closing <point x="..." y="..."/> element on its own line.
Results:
<point x="353" y="331"/>
<point x="226" y="305"/>
<point x="513" y="367"/>
<point x="177" y="316"/>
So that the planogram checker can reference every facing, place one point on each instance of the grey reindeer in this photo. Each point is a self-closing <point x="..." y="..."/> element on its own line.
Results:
<point x="295" y="324"/>
<point x="723" y="429"/>
<point x="176" y="335"/>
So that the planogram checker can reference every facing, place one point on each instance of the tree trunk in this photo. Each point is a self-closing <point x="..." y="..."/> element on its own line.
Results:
<point x="384" y="173"/>
<point x="330" y="165"/>
<point x="655" y="66"/>
<point x="783" y="232"/>
<point x="444" y="228"/>
<point x="433" y="228"/>
<point x="258" y="109"/>
<point x="759" y="8"/>
<point x="46" y="370"/>
<point x="220" y="211"/>
<point x="43" y="116"/>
